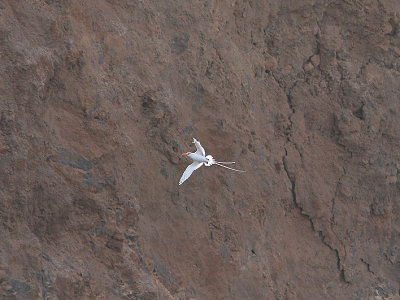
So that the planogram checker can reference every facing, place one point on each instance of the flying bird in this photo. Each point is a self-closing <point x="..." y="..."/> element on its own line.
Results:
<point x="199" y="158"/>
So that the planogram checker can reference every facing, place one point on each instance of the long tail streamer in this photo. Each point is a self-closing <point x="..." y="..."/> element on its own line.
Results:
<point x="212" y="161"/>
<point x="228" y="167"/>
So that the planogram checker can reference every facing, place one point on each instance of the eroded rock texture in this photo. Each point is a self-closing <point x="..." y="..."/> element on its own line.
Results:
<point x="98" y="98"/>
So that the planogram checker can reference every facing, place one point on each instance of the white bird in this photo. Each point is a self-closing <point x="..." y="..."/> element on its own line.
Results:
<point x="199" y="158"/>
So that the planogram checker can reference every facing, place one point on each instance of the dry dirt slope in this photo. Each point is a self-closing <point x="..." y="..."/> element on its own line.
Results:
<point x="99" y="98"/>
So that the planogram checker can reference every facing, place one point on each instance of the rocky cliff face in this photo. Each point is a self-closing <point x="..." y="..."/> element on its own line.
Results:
<point x="98" y="99"/>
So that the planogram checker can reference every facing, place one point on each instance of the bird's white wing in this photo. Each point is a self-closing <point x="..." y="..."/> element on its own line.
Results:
<point x="189" y="170"/>
<point x="200" y="149"/>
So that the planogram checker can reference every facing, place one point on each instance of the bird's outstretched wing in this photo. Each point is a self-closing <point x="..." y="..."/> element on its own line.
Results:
<point x="200" y="149"/>
<point x="189" y="170"/>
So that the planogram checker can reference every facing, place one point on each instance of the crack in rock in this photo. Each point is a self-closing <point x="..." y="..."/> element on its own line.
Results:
<point x="320" y="233"/>
<point x="367" y="265"/>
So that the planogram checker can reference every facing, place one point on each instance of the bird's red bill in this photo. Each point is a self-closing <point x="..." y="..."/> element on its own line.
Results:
<point x="184" y="153"/>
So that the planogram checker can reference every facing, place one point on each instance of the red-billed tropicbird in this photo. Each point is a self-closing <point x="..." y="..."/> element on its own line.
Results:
<point x="199" y="158"/>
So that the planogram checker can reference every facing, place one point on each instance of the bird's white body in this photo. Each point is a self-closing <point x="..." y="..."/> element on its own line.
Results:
<point x="199" y="158"/>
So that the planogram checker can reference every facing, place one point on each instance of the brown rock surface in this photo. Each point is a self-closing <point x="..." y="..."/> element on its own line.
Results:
<point x="99" y="98"/>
